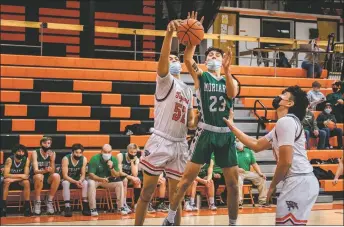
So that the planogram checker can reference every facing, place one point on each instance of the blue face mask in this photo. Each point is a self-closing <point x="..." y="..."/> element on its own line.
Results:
<point x="175" y="68"/>
<point x="214" y="65"/>
<point x="328" y="111"/>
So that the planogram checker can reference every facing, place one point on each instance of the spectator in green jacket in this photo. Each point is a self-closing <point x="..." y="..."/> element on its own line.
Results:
<point x="311" y="130"/>
<point x="246" y="159"/>
<point x="336" y="100"/>
<point x="327" y="121"/>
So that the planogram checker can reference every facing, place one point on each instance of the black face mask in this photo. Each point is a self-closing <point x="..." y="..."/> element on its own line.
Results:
<point x="77" y="157"/>
<point x="45" y="149"/>
<point x="276" y="101"/>
<point x="334" y="89"/>
<point x="131" y="156"/>
<point x="19" y="156"/>
<point x="138" y="154"/>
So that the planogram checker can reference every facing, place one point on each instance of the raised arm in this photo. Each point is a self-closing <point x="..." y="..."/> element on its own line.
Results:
<point x="163" y="65"/>
<point x="231" y="86"/>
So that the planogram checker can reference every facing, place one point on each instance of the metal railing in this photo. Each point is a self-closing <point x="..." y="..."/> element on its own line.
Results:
<point x="261" y="120"/>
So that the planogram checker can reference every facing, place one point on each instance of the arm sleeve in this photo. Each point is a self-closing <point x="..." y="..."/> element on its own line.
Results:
<point x="286" y="131"/>
<point x="315" y="125"/>
<point x="163" y="85"/>
<point x="269" y="136"/>
<point x="253" y="158"/>
<point x="115" y="164"/>
<point x="92" y="166"/>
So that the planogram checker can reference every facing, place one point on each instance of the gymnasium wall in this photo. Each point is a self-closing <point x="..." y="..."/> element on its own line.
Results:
<point x="138" y="14"/>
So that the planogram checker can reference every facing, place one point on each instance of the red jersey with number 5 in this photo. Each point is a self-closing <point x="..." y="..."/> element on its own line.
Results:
<point x="173" y="99"/>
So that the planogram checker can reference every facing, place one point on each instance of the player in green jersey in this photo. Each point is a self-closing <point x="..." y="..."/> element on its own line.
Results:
<point x="16" y="173"/>
<point x="74" y="173"/>
<point x="215" y="93"/>
<point x="43" y="163"/>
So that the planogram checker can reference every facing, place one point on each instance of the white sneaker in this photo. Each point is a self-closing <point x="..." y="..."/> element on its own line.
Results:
<point x="37" y="207"/>
<point x="127" y="208"/>
<point x="194" y="208"/>
<point x="94" y="212"/>
<point x="123" y="211"/>
<point x="212" y="207"/>
<point x="50" y="207"/>
<point x="187" y="206"/>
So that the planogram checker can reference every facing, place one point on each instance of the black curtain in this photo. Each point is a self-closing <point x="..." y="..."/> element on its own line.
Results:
<point x="208" y="8"/>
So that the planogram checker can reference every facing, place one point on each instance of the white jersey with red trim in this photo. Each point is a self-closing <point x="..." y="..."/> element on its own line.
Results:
<point x="173" y="99"/>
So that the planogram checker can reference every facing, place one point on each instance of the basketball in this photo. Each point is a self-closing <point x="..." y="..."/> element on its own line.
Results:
<point x="191" y="32"/>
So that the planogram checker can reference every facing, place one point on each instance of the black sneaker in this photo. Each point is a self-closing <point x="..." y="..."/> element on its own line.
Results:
<point x="150" y="208"/>
<point x="86" y="209"/>
<point x="265" y="205"/>
<point x="68" y="212"/>
<point x="27" y="212"/>
<point x="162" y="207"/>
<point x="240" y="206"/>
<point x="167" y="223"/>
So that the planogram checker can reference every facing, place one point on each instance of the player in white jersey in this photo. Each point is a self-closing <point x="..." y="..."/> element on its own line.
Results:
<point x="300" y="187"/>
<point x="167" y="148"/>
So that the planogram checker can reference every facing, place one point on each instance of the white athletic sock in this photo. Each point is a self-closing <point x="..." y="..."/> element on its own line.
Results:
<point x="211" y="200"/>
<point x="232" y="221"/>
<point x="50" y="198"/>
<point x="171" y="215"/>
<point x="192" y="200"/>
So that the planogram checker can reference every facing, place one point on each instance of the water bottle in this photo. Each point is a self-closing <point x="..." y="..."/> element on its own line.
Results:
<point x="198" y="201"/>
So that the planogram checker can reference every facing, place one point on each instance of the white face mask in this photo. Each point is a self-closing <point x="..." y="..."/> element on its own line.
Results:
<point x="328" y="111"/>
<point x="214" y="65"/>
<point x="239" y="145"/>
<point x="106" y="157"/>
<point x="175" y="68"/>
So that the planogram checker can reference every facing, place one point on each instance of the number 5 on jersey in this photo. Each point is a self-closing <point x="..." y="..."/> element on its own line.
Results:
<point x="179" y="113"/>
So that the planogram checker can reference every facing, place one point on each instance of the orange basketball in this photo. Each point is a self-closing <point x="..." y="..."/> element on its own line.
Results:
<point x="331" y="125"/>
<point x="191" y="32"/>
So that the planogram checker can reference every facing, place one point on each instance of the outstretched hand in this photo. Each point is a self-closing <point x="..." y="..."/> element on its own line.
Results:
<point x="194" y="15"/>
<point x="230" y="120"/>
<point x="227" y="59"/>
<point x="173" y="25"/>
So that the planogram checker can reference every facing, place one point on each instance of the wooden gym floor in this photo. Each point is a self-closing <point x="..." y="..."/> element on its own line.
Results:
<point x="322" y="214"/>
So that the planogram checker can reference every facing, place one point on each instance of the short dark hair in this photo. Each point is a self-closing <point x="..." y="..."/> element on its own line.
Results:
<point x="300" y="99"/>
<point x="213" y="49"/>
<point x="174" y="52"/>
<point x="77" y="146"/>
<point x="19" y="147"/>
<point x="316" y="84"/>
<point x="45" y="138"/>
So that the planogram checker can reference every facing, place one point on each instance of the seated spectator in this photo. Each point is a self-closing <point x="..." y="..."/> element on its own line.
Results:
<point x="327" y="122"/>
<point x="16" y="174"/>
<point x="204" y="177"/>
<point x="73" y="174"/>
<point x="103" y="171"/>
<point x="311" y="130"/>
<point x="43" y="163"/>
<point x="218" y="178"/>
<point x="189" y="201"/>
<point x="246" y="159"/>
<point x="315" y="97"/>
<point x="311" y="60"/>
<point x="128" y="162"/>
<point x="339" y="171"/>
<point x="161" y="206"/>
<point x="336" y="100"/>
<point x="282" y="61"/>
